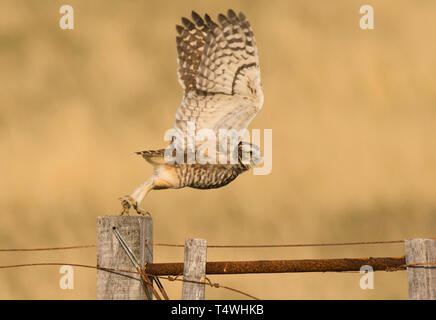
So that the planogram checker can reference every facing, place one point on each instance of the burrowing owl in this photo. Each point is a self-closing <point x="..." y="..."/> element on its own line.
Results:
<point x="219" y="72"/>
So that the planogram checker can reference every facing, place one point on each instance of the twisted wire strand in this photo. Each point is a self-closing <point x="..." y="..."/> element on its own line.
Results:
<point x="206" y="281"/>
<point x="158" y="244"/>
<point x="49" y="249"/>
<point x="294" y="245"/>
<point x="142" y="274"/>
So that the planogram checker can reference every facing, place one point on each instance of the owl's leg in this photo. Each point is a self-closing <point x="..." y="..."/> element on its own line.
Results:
<point x="136" y="197"/>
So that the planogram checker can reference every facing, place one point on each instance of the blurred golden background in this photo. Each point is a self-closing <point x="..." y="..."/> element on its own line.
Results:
<point x="353" y="114"/>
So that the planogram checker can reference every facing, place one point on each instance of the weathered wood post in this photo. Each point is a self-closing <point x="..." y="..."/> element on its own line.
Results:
<point x="136" y="230"/>
<point x="194" y="269"/>
<point x="421" y="279"/>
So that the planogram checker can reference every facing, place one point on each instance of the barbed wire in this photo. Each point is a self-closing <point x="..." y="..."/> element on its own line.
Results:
<point x="412" y="265"/>
<point x="49" y="249"/>
<point x="206" y="280"/>
<point x="142" y="273"/>
<point x="294" y="245"/>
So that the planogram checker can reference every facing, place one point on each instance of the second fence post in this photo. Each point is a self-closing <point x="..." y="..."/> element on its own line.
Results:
<point x="194" y="269"/>
<point x="421" y="278"/>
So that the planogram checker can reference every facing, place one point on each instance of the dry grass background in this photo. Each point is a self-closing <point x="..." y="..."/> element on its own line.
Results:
<point x="353" y="115"/>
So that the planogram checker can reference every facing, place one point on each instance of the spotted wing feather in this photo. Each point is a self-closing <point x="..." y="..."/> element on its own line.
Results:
<point x="219" y="71"/>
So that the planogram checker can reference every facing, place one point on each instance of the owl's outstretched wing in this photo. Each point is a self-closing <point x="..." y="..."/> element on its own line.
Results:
<point x="219" y="72"/>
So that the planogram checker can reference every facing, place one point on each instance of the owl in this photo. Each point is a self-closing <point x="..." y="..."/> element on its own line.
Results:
<point x="222" y="92"/>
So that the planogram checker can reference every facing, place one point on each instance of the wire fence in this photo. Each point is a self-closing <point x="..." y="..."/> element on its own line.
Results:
<point x="121" y="271"/>
<point x="253" y="246"/>
<point x="172" y="271"/>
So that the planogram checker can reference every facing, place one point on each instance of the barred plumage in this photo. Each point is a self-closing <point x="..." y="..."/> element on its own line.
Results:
<point x="199" y="176"/>
<point x="219" y="73"/>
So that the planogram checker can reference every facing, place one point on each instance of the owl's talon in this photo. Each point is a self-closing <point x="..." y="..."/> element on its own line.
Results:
<point x="127" y="202"/>
<point x="142" y="211"/>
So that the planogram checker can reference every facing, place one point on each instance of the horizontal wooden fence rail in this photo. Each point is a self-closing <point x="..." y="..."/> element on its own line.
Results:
<point x="281" y="266"/>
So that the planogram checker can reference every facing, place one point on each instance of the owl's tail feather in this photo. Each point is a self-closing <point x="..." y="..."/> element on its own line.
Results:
<point x="154" y="157"/>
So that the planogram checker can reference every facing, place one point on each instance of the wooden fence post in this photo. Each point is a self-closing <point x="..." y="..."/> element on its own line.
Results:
<point x="194" y="269"/>
<point x="135" y="230"/>
<point x="421" y="279"/>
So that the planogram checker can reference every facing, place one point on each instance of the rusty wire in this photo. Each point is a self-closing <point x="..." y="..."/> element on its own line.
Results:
<point x="240" y="267"/>
<point x="49" y="249"/>
<point x="295" y="245"/>
<point x="142" y="273"/>
<point x="211" y="284"/>
<point x="244" y="267"/>
<point x="167" y="270"/>
<point x="146" y="281"/>
<point x="413" y="265"/>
